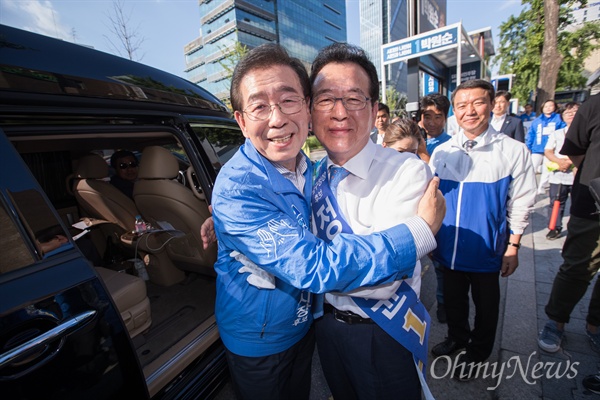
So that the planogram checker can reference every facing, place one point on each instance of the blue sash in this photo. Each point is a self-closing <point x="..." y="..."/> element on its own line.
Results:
<point x="402" y="316"/>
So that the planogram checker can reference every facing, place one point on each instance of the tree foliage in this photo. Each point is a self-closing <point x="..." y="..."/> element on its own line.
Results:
<point x="231" y="56"/>
<point x="396" y="101"/>
<point x="128" y="40"/>
<point x="522" y="42"/>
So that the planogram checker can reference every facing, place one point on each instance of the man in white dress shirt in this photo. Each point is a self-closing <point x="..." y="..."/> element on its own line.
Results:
<point x="360" y="360"/>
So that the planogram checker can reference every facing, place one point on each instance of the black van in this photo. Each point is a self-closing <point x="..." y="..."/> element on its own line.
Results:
<point x="89" y="307"/>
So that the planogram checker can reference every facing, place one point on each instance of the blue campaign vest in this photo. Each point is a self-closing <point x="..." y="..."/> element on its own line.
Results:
<point x="402" y="316"/>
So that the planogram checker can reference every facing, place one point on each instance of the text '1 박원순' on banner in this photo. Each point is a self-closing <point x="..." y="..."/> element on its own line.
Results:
<point x="420" y="45"/>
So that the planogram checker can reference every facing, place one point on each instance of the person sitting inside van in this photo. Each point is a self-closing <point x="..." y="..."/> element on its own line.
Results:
<point x="125" y="164"/>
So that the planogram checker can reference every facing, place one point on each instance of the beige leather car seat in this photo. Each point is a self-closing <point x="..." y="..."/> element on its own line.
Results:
<point x="98" y="198"/>
<point x="160" y="197"/>
<point x="129" y="294"/>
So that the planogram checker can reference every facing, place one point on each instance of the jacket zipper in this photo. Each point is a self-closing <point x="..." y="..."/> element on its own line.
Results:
<point x="456" y="223"/>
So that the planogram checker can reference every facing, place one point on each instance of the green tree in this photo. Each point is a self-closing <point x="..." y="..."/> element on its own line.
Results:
<point x="396" y="101"/>
<point x="521" y="50"/>
<point x="231" y="55"/>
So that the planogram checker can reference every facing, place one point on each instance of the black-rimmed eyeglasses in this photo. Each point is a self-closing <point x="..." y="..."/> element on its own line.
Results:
<point x="131" y="164"/>
<point x="350" y="103"/>
<point x="261" y="111"/>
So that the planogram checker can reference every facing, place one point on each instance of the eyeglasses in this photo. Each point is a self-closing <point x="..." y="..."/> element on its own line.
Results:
<point x="131" y="164"/>
<point x="350" y="103"/>
<point x="261" y="111"/>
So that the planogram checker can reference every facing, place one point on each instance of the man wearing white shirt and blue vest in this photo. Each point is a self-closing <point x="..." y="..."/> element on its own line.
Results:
<point x="364" y="356"/>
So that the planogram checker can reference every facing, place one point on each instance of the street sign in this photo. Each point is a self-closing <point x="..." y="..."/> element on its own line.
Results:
<point x="420" y="45"/>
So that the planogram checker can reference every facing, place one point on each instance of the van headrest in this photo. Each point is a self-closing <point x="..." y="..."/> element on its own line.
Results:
<point x="158" y="163"/>
<point x="91" y="166"/>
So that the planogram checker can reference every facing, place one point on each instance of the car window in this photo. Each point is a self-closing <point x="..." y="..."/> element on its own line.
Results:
<point x="219" y="142"/>
<point x="15" y="253"/>
<point x="46" y="234"/>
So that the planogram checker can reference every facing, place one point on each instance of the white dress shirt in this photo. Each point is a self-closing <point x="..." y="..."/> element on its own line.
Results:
<point x="555" y="143"/>
<point x="497" y="122"/>
<point x="452" y="125"/>
<point x="383" y="190"/>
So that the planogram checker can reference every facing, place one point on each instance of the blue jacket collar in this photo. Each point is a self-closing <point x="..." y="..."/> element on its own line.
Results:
<point x="277" y="181"/>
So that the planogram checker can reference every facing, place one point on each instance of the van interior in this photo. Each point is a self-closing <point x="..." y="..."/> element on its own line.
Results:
<point x="161" y="280"/>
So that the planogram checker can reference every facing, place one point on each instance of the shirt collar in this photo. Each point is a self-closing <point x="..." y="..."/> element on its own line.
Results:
<point x="295" y="177"/>
<point x="438" y="137"/>
<point x="359" y="164"/>
<point x="482" y="139"/>
<point x="301" y="166"/>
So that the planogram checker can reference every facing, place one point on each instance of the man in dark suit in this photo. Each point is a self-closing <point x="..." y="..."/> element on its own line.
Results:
<point x="382" y="121"/>
<point x="502" y="121"/>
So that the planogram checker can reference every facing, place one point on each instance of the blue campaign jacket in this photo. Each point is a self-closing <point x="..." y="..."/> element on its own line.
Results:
<point x="261" y="214"/>
<point x="432" y="143"/>
<point x="489" y="193"/>
<point x="536" y="137"/>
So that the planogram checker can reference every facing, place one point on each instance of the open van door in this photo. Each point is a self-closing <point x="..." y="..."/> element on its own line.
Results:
<point x="61" y="336"/>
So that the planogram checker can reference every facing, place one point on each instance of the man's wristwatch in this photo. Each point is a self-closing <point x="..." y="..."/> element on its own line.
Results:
<point x="517" y="245"/>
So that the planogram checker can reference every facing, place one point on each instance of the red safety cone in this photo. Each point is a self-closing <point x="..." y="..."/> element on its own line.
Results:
<point x="555" y="209"/>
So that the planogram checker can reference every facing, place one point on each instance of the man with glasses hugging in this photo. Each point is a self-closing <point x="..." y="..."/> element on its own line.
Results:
<point x="365" y="347"/>
<point x="262" y="209"/>
<point x="125" y="164"/>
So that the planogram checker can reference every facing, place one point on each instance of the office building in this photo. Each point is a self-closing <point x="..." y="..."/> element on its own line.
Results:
<point x="301" y="26"/>
<point x="381" y="22"/>
<point x="591" y="65"/>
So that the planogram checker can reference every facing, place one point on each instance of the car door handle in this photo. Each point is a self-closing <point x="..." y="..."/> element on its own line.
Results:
<point x="47" y="337"/>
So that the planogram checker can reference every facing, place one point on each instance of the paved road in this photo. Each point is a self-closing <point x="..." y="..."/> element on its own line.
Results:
<point x="523" y="297"/>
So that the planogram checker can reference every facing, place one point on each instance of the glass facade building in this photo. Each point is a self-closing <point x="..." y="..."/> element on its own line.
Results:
<point x="301" y="26"/>
<point x="381" y="22"/>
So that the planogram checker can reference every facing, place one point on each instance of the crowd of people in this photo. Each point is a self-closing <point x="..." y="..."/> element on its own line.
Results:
<point x="329" y="253"/>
